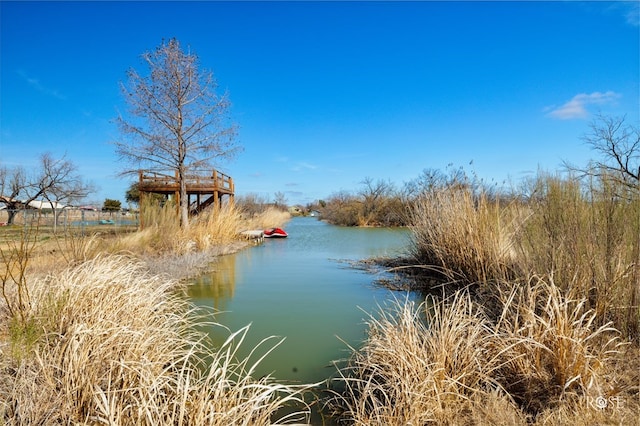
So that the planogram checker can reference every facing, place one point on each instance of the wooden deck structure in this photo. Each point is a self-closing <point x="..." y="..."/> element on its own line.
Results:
<point x="206" y="188"/>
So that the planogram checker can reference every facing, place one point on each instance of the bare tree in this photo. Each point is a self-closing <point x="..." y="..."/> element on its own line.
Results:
<point x="619" y="147"/>
<point x="375" y="198"/>
<point x="252" y="203"/>
<point x="429" y="180"/>
<point x="53" y="180"/>
<point x="12" y="183"/>
<point x="372" y="191"/>
<point x="177" y="121"/>
<point x="60" y="184"/>
<point x="280" y="200"/>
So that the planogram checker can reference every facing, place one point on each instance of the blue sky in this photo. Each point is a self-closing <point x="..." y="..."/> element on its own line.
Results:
<point x="328" y="93"/>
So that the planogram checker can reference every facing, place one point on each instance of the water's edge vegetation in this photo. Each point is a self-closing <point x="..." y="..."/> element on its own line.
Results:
<point x="531" y="317"/>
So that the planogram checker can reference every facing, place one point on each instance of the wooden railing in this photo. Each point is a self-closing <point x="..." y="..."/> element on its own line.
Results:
<point x="204" y="182"/>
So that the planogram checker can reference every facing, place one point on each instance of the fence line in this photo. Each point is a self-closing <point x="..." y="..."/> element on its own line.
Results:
<point x="68" y="218"/>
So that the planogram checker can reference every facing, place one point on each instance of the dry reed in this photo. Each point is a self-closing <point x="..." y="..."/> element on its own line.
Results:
<point x="551" y="287"/>
<point x="446" y="362"/>
<point x="467" y="237"/>
<point x="109" y="343"/>
<point x="586" y="239"/>
<point x="269" y="218"/>
<point x="207" y="231"/>
<point x="421" y="365"/>
<point x="551" y="346"/>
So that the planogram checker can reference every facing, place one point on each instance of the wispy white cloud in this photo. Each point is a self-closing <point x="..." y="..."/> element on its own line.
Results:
<point x="577" y="106"/>
<point x="35" y="84"/>
<point x="633" y="14"/>
<point x="303" y="166"/>
<point x="630" y="10"/>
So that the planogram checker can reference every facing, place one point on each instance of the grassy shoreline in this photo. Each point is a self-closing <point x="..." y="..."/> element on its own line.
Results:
<point x="509" y="335"/>
<point x="532" y="314"/>
<point x="100" y="336"/>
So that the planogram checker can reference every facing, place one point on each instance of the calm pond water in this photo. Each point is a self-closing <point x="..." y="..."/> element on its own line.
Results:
<point x="303" y="288"/>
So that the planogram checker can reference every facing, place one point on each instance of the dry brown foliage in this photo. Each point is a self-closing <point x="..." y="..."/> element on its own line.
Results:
<point x="446" y="362"/>
<point x="108" y="343"/>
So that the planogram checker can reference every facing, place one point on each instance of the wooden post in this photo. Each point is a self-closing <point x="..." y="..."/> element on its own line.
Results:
<point x="177" y="195"/>
<point x="140" y="199"/>
<point x="143" y="195"/>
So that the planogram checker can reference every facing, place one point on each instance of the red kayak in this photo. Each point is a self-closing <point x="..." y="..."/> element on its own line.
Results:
<point x="274" y="233"/>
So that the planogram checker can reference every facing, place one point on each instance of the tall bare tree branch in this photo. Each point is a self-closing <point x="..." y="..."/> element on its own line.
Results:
<point x="618" y="145"/>
<point x="176" y="120"/>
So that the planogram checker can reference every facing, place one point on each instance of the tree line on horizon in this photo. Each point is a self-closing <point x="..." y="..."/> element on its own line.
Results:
<point x="381" y="203"/>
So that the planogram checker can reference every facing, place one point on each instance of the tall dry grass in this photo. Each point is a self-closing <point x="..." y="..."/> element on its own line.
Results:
<point x="215" y="227"/>
<point x="161" y="238"/>
<point x="160" y="231"/>
<point x="448" y="362"/>
<point x="551" y="286"/>
<point x="426" y="364"/>
<point x="466" y="237"/>
<point x="210" y="229"/>
<point x="587" y="239"/>
<point x="268" y="218"/>
<point x="552" y="347"/>
<point x="109" y="343"/>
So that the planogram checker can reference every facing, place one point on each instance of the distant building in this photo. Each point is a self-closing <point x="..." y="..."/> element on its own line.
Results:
<point x="35" y="204"/>
<point x="40" y="205"/>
